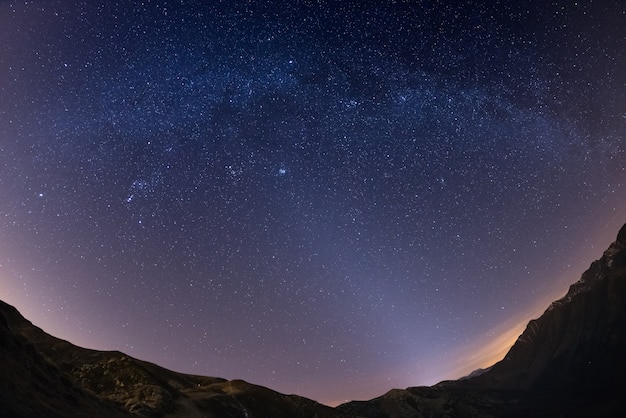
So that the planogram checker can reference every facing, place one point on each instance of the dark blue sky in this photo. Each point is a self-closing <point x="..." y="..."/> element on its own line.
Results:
<point x="326" y="198"/>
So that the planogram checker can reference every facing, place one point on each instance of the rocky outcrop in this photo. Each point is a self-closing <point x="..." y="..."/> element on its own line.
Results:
<point x="33" y="386"/>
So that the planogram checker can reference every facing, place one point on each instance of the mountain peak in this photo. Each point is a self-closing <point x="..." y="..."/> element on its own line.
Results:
<point x="613" y="259"/>
<point x="621" y="235"/>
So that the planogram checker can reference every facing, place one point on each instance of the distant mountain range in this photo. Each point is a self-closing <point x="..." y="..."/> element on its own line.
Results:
<point x="569" y="362"/>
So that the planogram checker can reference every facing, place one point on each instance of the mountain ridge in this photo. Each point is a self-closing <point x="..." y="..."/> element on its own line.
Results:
<point x="113" y="384"/>
<point x="567" y="362"/>
<point x="591" y="317"/>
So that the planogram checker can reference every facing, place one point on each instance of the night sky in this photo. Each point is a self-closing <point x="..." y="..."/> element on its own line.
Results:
<point x="328" y="198"/>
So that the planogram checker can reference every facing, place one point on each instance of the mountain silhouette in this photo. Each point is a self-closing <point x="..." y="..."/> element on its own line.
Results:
<point x="568" y="362"/>
<point x="43" y="376"/>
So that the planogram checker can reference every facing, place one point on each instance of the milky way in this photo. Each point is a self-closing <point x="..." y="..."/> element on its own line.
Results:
<point x="326" y="198"/>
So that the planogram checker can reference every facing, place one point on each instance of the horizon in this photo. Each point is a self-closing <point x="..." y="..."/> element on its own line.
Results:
<point x="493" y="350"/>
<point x="326" y="199"/>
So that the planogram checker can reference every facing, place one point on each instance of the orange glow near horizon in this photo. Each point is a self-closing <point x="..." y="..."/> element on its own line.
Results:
<point x="499" y="340"/>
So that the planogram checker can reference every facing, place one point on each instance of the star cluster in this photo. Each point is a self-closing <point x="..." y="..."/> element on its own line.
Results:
<point x="327" y="198"/>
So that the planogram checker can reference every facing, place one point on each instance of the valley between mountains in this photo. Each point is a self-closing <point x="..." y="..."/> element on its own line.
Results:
<point x="568" y="362"/>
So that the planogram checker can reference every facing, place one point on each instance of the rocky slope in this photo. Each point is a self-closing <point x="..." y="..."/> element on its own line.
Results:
<point x="43" y="376"/>
<point x="569" y="362"/>
<point x="577" y="347"/>
<point x="33" y="386"/>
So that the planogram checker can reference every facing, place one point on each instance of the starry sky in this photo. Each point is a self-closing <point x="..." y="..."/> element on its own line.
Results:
<point x="328" y="198"/>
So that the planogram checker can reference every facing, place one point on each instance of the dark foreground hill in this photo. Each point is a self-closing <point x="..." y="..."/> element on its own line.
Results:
<point x="569" y="362"/>
<point x="43" y="376"/>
